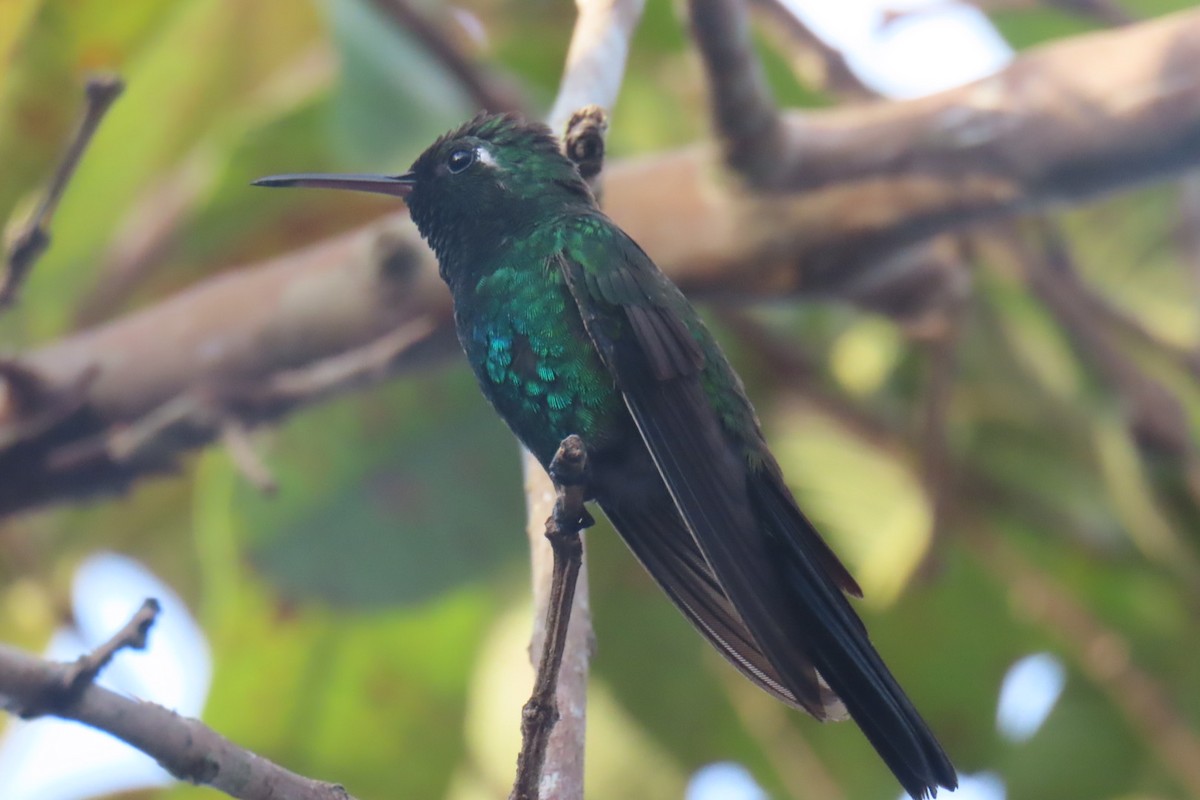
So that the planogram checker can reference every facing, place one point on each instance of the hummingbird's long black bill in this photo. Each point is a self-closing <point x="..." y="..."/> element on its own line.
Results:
<point x="393" y="185"/>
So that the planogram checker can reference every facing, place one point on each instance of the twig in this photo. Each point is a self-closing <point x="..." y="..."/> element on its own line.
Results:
<point x="488" y="92"/>
<point x="552" y="756"/>
<point x="32" y="686"/>
<point x="31" y="242"/>
<point x="591" y="79"/>
<point x="66" y="682"/>
<point x="835" y="74"/>
<point x="236" y="438"/>
<point x="568" y="471"/>
<point x="745" y="115"/>
<point x="933" y="446"/>
<point x="1156" y="417"/>
<point x="205" y="412"/>
<point x="596" y="58"/>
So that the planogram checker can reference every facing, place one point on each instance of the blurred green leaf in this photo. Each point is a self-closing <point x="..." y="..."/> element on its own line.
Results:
<point x="377" y="526"/>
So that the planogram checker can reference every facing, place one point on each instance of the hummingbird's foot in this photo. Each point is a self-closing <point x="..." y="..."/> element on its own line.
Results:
<point x="569" y="466"/>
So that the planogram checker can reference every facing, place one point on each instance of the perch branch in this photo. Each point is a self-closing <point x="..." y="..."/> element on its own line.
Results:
<point x="28" y="245"/>
<point x="595" y="64"/>
<point x="32" y="686"/>
<point x="568" y="471"/>
<point x="744" y="113"/>
<point x="590" y="82"/>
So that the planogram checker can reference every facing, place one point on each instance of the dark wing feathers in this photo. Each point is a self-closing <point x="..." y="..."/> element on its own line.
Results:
<point x="756" y="578"/>
<point x="706" y="481"/>
<point x="667" y="345"/>
<point x="662" y="543"/>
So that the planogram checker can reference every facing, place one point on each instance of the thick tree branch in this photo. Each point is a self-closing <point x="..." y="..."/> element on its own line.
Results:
<point x="31" y="686"/>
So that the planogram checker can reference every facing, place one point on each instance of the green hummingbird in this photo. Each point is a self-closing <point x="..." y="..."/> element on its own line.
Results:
<point x="572" y="329"/>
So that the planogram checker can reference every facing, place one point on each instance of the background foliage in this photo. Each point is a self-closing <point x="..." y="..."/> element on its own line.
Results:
<point x="368" y="619"/>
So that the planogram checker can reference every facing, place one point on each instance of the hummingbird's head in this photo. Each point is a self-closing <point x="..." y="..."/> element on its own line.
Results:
<point x="491" y="178"/>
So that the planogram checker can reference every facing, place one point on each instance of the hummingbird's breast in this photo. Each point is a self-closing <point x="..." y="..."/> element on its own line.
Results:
<point x="534" y="361"/>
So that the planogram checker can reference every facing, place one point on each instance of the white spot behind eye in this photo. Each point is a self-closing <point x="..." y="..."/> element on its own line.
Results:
<point x="485" y="156"/>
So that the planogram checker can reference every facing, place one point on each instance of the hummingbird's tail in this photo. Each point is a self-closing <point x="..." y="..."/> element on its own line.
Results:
<point x="842" y="652"/>
<point x="830" y="667"/>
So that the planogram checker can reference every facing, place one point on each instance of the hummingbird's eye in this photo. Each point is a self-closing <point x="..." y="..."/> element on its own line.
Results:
<point x="460" y="160"/>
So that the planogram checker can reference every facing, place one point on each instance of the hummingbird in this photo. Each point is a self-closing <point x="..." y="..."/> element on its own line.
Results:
<point x="570" y="328"/>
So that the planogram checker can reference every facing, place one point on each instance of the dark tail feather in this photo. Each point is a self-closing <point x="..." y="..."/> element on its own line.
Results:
<point x="844" y="656"/>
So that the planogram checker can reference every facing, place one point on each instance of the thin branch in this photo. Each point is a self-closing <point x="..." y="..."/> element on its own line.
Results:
<point x="568" y="471"/>
<point x="550" y="764"/>
<point x="932" y="438"/>
<point x="803" y="48"/>
<point x="1155" y="416"/>
<point x="71" y="679"/>
<point x="31" y="686"/>
<point x="236" y="438"/>
<point x="487" y="91"/>
<point x="596" y="58"/>
<point x="30" y="243"/>
<point x="744" y="113"/>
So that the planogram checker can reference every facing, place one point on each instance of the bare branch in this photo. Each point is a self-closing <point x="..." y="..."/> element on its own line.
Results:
<point x="562" y="770"/>
<point x="1155" y="416"/>
<point x="744" y="113"/>
<point x="563" y="530"/>
<point x="69" y="680"/>
<point x="487" y="91"/>
<point x="31" y="242"/>
<point x="596" y="59"/>
<point x="186" y="748"/>
<point x="1062" y="121"/>
<point x="800" y="43"/>
<point x="236" y="439"/>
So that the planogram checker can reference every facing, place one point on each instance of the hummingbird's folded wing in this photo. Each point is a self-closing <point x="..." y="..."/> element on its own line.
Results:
<point x="658" y="366"/>
<point x="768" y="561"/>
